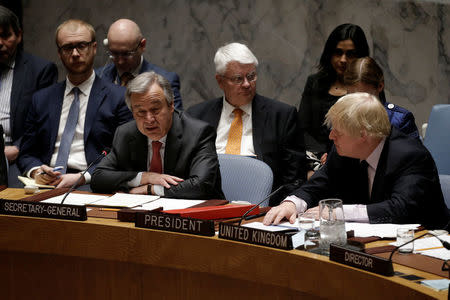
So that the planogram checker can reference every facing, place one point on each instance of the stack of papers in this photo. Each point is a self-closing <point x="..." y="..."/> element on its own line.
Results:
<point x="380" y="230"/>
<point x="169" y="204"/>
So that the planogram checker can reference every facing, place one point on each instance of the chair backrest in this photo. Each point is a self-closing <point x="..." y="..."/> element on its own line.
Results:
<point x="437" y="139"/>
<point x="245" y="178"/>
<point x="3" y="161"/>
<point x="445" y="185"/>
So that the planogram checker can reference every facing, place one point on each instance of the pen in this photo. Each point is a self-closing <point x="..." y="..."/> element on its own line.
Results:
<point x="55" y="169"/>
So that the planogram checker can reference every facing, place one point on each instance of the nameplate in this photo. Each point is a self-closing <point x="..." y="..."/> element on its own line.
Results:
<point x="43" y="210"/>
<point x="168" y="222"/>
<point x="277" y="240"/>
<point x="361" y="260"/>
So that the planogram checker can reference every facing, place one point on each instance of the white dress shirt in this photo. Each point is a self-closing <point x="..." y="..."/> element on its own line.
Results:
<point x="352" y="212"/>
<point x="6" y="80"/>
<point x="136" y="181"/>
<point x="223" y="128"/>
<point x="77" y="156"/>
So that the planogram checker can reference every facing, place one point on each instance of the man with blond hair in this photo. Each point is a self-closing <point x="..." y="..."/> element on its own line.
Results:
<point x="70" y="123"/>
<point x="381" y="175"/>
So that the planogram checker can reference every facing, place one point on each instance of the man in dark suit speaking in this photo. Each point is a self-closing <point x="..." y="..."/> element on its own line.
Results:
<point x="381" y="175"/>
<point x="126" y="46"/>
<point x="162" y="152"/>
<point x="70" y="123"/>
<point x="250" y="124"/>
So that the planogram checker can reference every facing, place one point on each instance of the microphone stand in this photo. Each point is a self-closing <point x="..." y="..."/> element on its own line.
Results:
<point x="82" y="175"/>
<point x="295" y="184"/>
<point x="444" y="243"/>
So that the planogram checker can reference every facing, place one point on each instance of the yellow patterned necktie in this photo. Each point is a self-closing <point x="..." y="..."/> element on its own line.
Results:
<point x="235" y="135"/>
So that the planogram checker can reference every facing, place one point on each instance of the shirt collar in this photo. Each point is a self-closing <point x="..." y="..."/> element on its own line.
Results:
<point x="162" y="140"/>
<point x="374" y="157"/>
<point x="84" y="87"/>
<point x="228" y="108"/>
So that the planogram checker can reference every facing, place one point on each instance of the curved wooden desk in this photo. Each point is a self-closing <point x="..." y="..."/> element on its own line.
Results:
<point x="107" y="259"/>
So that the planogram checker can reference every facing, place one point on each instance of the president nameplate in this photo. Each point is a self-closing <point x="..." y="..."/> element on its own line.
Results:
<point x="43" y="210"/>
<point x="168" y="222"/>
<point x="361" y="260"/>
<point x="277" y="240"/>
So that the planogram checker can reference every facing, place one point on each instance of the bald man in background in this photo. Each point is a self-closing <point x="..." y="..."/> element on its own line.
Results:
<point x="126" y="45"/>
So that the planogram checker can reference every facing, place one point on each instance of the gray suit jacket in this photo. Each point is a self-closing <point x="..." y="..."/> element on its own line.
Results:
<point x="190" y="153"/>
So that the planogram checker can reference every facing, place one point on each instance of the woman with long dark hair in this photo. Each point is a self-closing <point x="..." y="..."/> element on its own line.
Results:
<point x="345" y="43"/>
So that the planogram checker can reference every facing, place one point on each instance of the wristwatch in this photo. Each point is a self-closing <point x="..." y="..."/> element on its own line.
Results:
<point x="149" y="189"/>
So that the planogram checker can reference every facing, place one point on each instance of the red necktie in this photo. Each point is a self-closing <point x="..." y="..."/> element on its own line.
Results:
<point x="156" y="163"/>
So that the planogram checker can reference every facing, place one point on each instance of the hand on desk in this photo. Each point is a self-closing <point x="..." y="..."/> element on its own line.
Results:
<point x="160" y="179"/>
<point x="286" y="210"/>
<point x="46" y="175"/>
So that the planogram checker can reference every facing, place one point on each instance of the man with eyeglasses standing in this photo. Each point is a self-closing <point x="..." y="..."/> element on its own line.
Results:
<point x="250" y="124"/>
<point x="126" y="45"/>
<point x="70" y="123"/>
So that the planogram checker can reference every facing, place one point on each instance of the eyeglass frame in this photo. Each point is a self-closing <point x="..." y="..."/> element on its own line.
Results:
<point x="127" y="54"/>
<point x="68" y="48"/>
<point x="238" y="80"/>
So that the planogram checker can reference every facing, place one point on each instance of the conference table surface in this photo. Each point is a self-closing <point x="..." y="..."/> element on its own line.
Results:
<point x="108" y="259"/>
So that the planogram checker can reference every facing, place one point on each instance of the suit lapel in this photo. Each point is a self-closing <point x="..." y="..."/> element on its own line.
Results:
<point x="173" y="144"/>
<point x="55" y="109"/>
<point x="380" y="175"/>
<point x="213" y="115"/>
<point x="259" y="116"/>
<point x="96" y="97"/>
<point x="17" y="84"/>
<point x="138" y="150"/>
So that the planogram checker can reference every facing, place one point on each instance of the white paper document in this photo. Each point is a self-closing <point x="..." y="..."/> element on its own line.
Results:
<point x="380" y="230"/>
<point x="125" y="200"/>
<point x="280" y="227"/>
<point x="431" y="246"/>
<point x="168" y="204"/>
<point x="75" y="199"/>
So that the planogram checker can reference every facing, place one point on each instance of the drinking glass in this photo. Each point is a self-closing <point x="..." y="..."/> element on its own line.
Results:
<point x="312" y="239"/>
<point x="306" y="221"/>
<point x="332" y="224"/>
<point x="405" y="235"/>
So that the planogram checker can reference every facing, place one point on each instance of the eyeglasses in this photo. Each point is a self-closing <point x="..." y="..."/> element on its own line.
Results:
<point x="127" y="54"/>
<point x="239" y="79"/>
<point x="81" y="47"/>
<point x="348" y="53"/>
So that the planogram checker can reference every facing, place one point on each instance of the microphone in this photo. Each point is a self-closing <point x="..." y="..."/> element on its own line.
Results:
<point x="444" y="243"/>
<point x="104" y="153"/>
<point x="295" y="184"/>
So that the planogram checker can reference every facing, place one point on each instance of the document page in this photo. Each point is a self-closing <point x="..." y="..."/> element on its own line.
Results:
<point x="380" y="230"/>
<point x="75" y="199"/>
<point x="125" y="200"/>
<point x="168" y="204"/>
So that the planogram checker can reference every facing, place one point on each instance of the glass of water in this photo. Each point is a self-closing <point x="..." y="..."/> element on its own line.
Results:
<point x="306" y="221"/>
<point x="332" y="224"/>
<point x="404" y="235"/>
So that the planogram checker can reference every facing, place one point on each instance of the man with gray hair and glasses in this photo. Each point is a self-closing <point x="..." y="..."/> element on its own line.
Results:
<point x="250" y="124"/>
<point x="380" y="174"/>
<point x="162" y="152"/>
<point x="126" y="46"/>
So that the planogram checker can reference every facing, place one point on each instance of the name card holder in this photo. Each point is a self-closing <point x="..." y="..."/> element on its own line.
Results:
<point x="43" y="210"/>
<point x="361" y="260"/>
<point x="247" y="235"/>
<point x="174" y="223"/>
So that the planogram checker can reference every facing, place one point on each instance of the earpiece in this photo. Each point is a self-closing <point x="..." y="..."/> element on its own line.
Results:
<point x="105" y="42"/>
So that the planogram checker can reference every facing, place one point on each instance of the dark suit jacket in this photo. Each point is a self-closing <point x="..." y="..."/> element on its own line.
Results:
<point x="406" y="186"/>
<point x="190" y="153"/>
<point x="31" y="73"/>
<point x="109" y="73"/>
<point x="106" y="110"/>
<point x="276" y="137"/>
